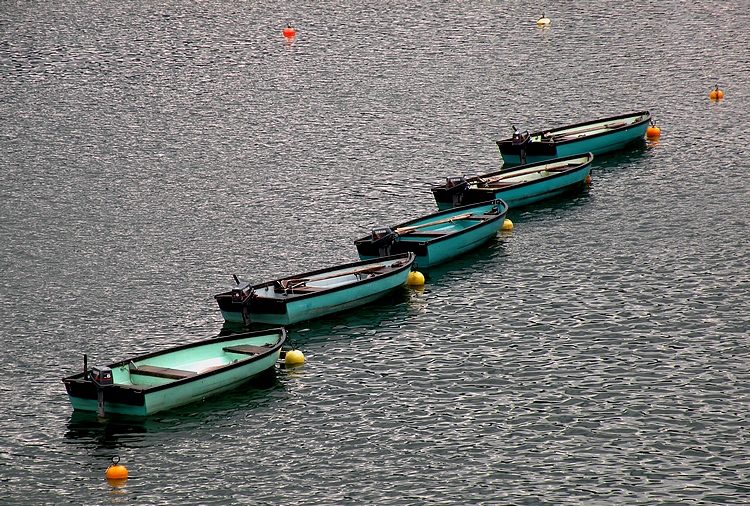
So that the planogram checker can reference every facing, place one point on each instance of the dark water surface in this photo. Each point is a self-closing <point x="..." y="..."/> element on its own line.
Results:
<point x="597" y="354"/>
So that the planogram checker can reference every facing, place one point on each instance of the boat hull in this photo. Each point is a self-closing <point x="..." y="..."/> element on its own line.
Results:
<point x="267" y="306"/>
<point x="168" y="379"/>
<point x="594" y="137"/>
<point x="442" y="242"/>
<point x="522" y="193"/>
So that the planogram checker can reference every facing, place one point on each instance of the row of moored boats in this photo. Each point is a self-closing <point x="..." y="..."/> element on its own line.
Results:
<point x="541" y="165"/>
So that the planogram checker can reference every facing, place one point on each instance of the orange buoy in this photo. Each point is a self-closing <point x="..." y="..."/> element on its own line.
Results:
<point x="289" y="31"/>
<point x="717" y="94"/>
<point x="653" y="131"/>
<point x="116" y="472"/>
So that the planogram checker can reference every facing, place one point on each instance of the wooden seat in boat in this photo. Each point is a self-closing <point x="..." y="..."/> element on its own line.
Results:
<point x="246" y="349"/>
<point x="161" y="372"/>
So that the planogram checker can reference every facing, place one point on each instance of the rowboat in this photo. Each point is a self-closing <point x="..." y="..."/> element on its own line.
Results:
<point x="309" y="295"/>
<point x="517" y="186"/>
<point x="598" y="137"/>
<point x="173" y="377"/>
<point x="437" y="237"/>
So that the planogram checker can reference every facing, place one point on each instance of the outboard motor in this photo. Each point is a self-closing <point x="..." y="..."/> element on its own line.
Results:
<point x="521" y="139"/>
<point x="241" y="292"/>
<point x="455" y="186"/>
<point x="383" y="238"/>
<point x="102" y="377"/>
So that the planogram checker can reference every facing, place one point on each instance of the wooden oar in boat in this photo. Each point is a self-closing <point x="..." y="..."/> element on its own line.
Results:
<point x="404" y="230"/>
<point x="530" y="171"/>
<point x="584" y="130"/>
<point x="295" y="282"/>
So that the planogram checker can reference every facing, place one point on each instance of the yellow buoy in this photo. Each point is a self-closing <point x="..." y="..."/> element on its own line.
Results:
<point x="717" y="94"/>
<point x="294" y="357"/>
<point x="116" y="471"/>
<point x="543" y="21"/>
<point x="415" y="278"/>
<point x="507" y="225"/>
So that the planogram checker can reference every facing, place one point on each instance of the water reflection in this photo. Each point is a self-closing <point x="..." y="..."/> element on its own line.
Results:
<point x="104" y="434"/>
<point x="479" y="259"/>
<point x="549" y="209"/>
<point x="620" y="159"/>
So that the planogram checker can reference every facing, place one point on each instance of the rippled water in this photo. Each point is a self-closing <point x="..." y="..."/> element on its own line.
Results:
<point x="596" y="354"/>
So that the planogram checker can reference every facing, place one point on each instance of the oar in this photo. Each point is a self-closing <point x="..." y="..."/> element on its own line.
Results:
<point x="608" y="126"/>
<point x="554" y="168"/>
<point x="298" y="281"/>
<point x="346" y="273"/>
<point x="438" y="222"/>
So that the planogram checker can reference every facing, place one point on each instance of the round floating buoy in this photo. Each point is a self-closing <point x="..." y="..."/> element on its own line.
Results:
<point x="507" y="225"/>
<point x="415" y="278"/>
<point x="717" y="94"/>
<point x="653" y="132"/>
<point x="588" y="179"/>
<point x="543" y="21"/>
<point x="116" y="471"/>
<point x="294" y="357"/>
<point x="289" y="31"/>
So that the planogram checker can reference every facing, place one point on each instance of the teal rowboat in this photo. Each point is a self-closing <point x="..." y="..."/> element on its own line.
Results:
<point x="309" y="295"/>
<point x="438" y="237"/>
<point x="517" y="186"/>
<point x="598" y="137"/>
<point x="166" y="379"/>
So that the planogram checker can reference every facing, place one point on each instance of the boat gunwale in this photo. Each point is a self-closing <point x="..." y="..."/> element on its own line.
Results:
<point x="279" y="332"/>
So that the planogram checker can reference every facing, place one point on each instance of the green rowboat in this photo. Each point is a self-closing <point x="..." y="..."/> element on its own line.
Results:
<point x="315" y="294"/>
<point x="166" y="379"/>
<point x="597" y="137"/>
